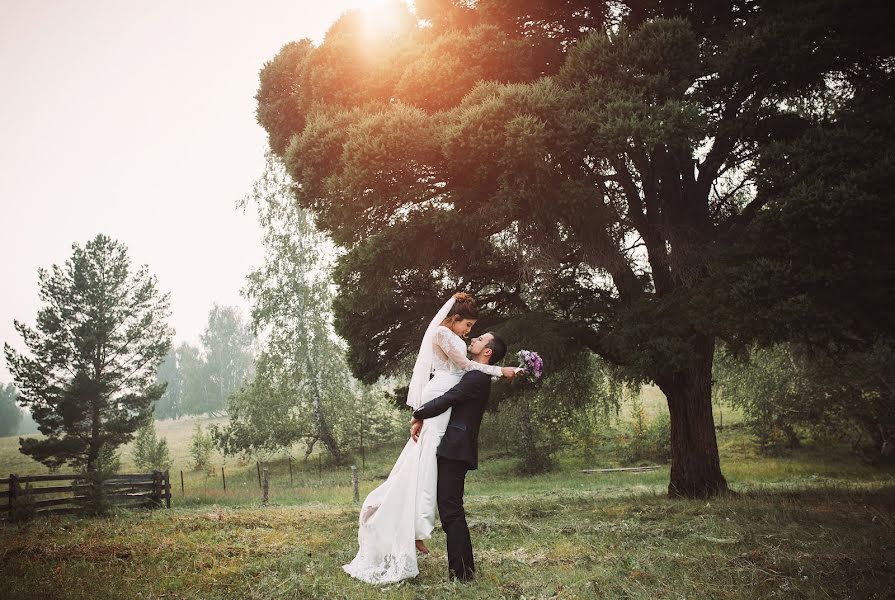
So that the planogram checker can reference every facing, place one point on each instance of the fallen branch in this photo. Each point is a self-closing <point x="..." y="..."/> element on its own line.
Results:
<point x="630" y="469"/>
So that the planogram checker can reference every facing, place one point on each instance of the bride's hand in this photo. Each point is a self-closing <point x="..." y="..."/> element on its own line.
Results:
<point x="415" y="426"/>
<point x="509" y="372"/>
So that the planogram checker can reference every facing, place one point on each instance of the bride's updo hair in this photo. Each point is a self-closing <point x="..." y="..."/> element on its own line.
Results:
<point x="463" y="308"/>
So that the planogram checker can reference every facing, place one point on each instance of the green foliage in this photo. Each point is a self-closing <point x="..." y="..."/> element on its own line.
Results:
<point x="227" y="342"/>
<point x="150" y="452"/>
<point x="302" y="389"/>
<point x="88" y="375"/>
<point x="375" y="420"/>
<point x="588" y="430"/>
<point x="23" y="508"/>
<point x="93" y="496"/>
<point x="10" y="415"/>
<point x="28" y="425"/>
<point x="193" y="377"/>
<point x="200" y="380"/>
<point x="201" y="447"/>
<point x="814" y="268"/>
<point x="531" y="431"/>
<point x="839" y="395"/>
<point x="646" y="440"/>
<point x="535" y="420"/>
<point x="771" y="390"/>
<point x="170" y="405"/>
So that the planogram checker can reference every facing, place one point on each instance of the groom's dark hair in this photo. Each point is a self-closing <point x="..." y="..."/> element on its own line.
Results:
<point x="498" y="348"/>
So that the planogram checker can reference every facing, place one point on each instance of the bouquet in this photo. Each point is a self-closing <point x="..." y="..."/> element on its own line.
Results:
<point x="531" y="364"/>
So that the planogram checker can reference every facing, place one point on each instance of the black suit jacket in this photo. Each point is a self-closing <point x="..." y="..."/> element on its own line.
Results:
<point x="468" y="399"/>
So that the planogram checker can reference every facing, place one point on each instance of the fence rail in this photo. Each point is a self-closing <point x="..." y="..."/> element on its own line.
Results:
<point x="128" y="489"/>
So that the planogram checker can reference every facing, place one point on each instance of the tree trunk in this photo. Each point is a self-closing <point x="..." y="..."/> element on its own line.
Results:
<point x="792" y="438"/>
<point x="695" y="466"/>
<point x="310" y="447"/>
<point x="324" y="433"/>
<point x="329" y="440"/>
<point x="93" y="447"/>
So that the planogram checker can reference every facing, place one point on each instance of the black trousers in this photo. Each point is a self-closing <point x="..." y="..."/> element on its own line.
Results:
<point x="451" y="478"/>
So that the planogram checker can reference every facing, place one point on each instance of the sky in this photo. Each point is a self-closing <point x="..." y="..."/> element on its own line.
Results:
<point x="137" y="120"/>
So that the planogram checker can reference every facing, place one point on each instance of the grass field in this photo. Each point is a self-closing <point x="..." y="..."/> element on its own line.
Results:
<point x="815" y="524"/>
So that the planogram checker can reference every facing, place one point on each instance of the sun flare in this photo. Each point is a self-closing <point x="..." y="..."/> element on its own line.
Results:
<point x="384" y="19"/>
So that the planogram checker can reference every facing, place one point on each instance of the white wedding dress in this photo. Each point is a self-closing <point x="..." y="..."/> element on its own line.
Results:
<point x="402" y="509"/>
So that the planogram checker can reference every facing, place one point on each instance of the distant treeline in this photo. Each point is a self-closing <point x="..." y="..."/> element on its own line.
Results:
<point x="200" y="379"/>
<point x="13" y="421"/>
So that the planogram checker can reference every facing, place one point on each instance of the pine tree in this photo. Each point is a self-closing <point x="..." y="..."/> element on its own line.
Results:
<point x="89" y="371"/>
<point x="150" y="451"/>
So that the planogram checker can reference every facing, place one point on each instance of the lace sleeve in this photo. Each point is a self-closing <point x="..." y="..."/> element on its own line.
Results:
<point x="454" y="352"/>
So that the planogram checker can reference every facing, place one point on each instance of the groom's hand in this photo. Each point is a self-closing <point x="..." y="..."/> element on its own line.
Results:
<point x="415" y="426"/>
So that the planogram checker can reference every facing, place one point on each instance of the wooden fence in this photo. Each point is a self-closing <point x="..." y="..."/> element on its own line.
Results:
<point x="135" y="489"/>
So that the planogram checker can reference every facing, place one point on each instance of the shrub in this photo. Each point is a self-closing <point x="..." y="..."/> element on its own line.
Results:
<point x="201" y="446"/>
<point x="534" y="431"/>
<point x="645" y="439"/>
<point x="93" y="496"/>
<point x="150" y="452"/>
<point x="535" y="420"/>
<point x="589" y="429"/>
<point x="23" y="508"/>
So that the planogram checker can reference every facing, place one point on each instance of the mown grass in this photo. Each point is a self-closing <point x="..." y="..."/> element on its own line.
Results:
<point x="818" y="523"/>
<point x="810" y="543"/>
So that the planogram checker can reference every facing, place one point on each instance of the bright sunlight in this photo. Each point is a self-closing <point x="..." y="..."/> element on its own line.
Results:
<point x="383" y="19"/>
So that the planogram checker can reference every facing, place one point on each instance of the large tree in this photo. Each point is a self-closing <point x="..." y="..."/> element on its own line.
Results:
<point x="302" y="389"/>
<point x="88" y="374"/>
<point x="630" y="173"/>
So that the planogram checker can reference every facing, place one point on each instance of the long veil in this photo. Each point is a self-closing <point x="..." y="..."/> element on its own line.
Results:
<point x="422" y="369"/>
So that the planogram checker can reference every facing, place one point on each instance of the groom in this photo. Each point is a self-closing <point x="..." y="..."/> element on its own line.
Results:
<point x="459" y="449"/>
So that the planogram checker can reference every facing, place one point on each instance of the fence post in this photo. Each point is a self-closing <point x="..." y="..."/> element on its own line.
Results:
<point x="167" y="489"/>
<point x="265" y="487"/>
<point x="157" y="487"/>
<point x="13" y="495"/>
<point x="354" y="482"/>
<point x="258" y="464"/>
<point x="182" y="492"/>
<point x="223" y="478"/>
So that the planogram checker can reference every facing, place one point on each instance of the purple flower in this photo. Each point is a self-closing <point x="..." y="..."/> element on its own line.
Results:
<point x="531" y="364"/>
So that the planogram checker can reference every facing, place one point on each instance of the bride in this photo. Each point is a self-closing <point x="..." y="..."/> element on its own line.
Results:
<point x="400" y="513"/>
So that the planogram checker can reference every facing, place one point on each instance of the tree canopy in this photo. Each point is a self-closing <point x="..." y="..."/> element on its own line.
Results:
<point x="638" y="178"/>
<point x="302" y="389"/>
